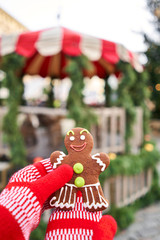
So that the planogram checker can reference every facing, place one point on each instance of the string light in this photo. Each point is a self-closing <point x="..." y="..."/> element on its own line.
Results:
<point x="157" y="87"/>
<point x="148" y="147"/>
<point x="112" y="156"/>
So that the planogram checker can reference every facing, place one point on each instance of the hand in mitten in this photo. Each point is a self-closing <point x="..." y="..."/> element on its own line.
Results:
<point x="22" y="200"/>
<point x="106" y="229"/>
<point x="80" y="224"/>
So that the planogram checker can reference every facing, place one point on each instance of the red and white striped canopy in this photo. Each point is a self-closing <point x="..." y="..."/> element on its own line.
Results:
<point x="46" y="50"/>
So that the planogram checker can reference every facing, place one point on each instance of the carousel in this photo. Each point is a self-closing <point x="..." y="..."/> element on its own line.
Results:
<point x="58" y="53"/>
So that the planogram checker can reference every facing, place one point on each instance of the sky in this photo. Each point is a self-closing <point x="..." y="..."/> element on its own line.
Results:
<point x="120" y="21"/>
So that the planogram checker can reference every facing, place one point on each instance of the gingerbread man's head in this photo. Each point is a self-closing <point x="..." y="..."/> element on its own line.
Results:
<point x="78" y="140"/>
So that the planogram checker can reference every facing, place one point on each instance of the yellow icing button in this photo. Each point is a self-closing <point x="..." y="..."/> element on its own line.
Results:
<point x="78" y="168"/>
<point x="79" y="182"/>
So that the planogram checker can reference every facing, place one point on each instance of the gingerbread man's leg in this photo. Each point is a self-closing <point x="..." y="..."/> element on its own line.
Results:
<point x="93" y="198"/>
<point x="64" y="198"/>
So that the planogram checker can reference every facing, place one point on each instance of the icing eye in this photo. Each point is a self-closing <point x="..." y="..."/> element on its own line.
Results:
<point x="72" y="138"/>
<point x="82" y="137"/>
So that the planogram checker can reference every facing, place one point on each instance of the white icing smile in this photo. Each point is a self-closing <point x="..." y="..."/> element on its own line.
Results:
<point x="78" y="148"/>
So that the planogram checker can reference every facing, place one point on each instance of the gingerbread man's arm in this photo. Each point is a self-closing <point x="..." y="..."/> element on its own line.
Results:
<point x="57" y="158"/>
<point x="102" y="160"/>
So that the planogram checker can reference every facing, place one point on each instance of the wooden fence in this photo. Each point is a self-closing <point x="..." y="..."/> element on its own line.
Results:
<point x="137" y="138"/>
<point x="108" y="134"/>
<point x="123" y="190"/>
<point x="29" y="111"/>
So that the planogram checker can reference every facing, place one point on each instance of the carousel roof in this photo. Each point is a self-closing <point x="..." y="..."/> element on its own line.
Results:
<point x="45" y="51"/>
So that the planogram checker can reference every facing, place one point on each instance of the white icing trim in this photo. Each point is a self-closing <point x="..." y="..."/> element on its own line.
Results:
<point x="59" y="159"/>
<point x="60" y="193"/>
<point x="97" y="205"/>
<point x="93" y="204"/>
<point x="103" y="202"/>
<point x="99" y="195"/>
<point x="99" y="161"/>
<point x="65" y="195"/>
<point x="86" y="194"/>
<point x="70" y="195"/>
<point x="92" y="195"/>
<point x="62" y="204"/>
<point x="89" y="185"/>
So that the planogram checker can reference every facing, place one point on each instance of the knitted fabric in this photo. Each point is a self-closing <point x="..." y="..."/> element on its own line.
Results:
<point x="23" y="198"/>
<point x="76" y="224"/>
<point x="79" y="224"/>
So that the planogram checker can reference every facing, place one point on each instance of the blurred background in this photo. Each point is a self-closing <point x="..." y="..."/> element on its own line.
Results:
<point x="90" y="64"/>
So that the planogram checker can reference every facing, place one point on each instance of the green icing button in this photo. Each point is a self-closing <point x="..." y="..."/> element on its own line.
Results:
<point x="78" y="168"/>
<point x="79" y="182"/>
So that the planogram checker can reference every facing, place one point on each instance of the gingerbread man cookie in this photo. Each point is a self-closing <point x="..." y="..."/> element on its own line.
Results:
<point x="86" y="167"/>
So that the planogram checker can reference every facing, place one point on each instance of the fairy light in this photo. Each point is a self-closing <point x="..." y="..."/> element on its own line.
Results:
<point x="148" y="147"/>
<point x="112" y="156"/>
<point x="157" y="87"/>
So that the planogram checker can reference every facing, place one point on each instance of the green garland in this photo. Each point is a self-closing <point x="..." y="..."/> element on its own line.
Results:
<point x="125" y="99"/>
<point x="49" y="92"/>
<point x="132" y="165"/>
<point x="107" y="92"/>
<point x="153" y="68"/>
<point x="78" y="110"/>
<point x="132" y="92"/>
<point x="140" y="94"/>
<point x="12" y="136"/>
<point x="153" y="57"/>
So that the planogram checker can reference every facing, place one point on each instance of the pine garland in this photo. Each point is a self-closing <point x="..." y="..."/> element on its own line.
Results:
<point x="78" y="110"/>
<point x="125" y="99"/>
<point x="132" y="165"/>
<point x="140" y="94"/>
<point x="132" y="92"/>
<point x="108" y="93"/>
<point x="12" y="136"/>
<point x="50" y="94"/>
<point x="153" y="68"/>
<point x="153" y="57"/>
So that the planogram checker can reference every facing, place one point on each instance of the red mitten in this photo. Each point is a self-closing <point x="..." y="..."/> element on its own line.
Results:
<point x="75" y="224"/>
<point x="80" y="224"/>
<point x="106" y="229"/>
<point x="22" y="200"/>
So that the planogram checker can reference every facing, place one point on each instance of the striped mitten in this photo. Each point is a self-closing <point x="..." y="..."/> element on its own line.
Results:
<point x="80" y="224"/>
<point x="22" y="200"/>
